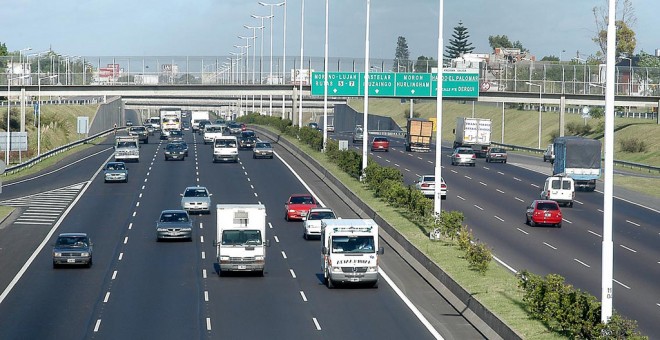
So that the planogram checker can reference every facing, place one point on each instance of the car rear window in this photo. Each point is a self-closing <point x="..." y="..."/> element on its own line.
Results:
<point x="566" y="185"/>
<point x="302" y="200"/>
<point x="465" y="151"/>
<point x="547" y="206"/>
<point x="498" y="150"/>
<point x="428" y="179"/>
<point x="380" y="139"/>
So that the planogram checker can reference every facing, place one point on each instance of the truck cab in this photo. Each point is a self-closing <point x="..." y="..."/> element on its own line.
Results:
<point x="349" y="251"/>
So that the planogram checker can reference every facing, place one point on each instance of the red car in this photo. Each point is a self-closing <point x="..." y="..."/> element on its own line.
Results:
<point x="298" y="205"/>
<point x="243" y="127"/>
<point x="380" y="144"/>
<point x="543" y="212"/>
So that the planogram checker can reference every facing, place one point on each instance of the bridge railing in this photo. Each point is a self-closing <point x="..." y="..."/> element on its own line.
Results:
<point x="498" y="75"/>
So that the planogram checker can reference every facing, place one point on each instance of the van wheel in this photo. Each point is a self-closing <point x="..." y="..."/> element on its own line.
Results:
<point x="570" y="204"/>
<point x="330" y="283"/>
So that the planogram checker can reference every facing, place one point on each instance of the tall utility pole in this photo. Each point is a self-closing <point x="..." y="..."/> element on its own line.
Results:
<point x="254" y="48"/>
<point x="302" y="44"/>
<point x="325" y="80"/>
<point x="270" y="70"/>
<point x="437" y="205"/>
<point x="365" y="128"/>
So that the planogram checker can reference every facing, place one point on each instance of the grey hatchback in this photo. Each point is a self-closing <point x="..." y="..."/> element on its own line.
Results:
<point x="72" y="249"/>
<point x="174" y="225"/>
<point x="196" y="199"/>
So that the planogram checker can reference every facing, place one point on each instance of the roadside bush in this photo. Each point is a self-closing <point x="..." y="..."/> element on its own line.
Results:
<point x="478" y="256"/>
<point x="569" y="311"/>
<point x="350" y="162"/>
<point x="554" y="134"/>
<point x="632" y="145"/>
<point x="578" y="129"/>
<point x="464" y="238"/>
<point x="396" y="194"/>
<point x="450" y="223"/>
<point x="378" y="175"/>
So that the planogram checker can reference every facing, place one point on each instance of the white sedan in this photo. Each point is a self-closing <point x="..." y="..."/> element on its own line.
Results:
<point x="312" y="222"/>
<point x="426" y="184"/>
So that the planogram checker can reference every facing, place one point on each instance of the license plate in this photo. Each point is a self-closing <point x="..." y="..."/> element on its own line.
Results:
<point x="70" y="261"/>
<point x="354" y="279"/>
<point x="547" y="215"/>
<point x="242" y="267"/>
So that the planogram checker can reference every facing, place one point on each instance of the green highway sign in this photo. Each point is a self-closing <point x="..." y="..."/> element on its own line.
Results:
<point x="457" y="83"/>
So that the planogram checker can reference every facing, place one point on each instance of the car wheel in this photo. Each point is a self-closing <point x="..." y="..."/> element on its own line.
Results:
<point x="286" y="217"/>
<point x="146" y="141"/>
<point x="570" y="204"/>
<point x="330" y="283"/>
<point x="375" y="284"/>
<point x="305" y="236"/>
<point x="473" y="164"/>
<point x="559" y="225"/>
<point x="89" y="264"/>
<point x="260" y="273"/>
<point x="254" y="157"/>
<point x="55" y="266"/>
<point x="532" y="223"/>
<point x="526" y="220"/>
<point x="487" y="160"/>
<point x="271" y="157"/>
<point x="504" y="161"/>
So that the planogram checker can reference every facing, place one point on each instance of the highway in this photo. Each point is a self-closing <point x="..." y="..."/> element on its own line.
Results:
<point x="493" y="198"/>
<point x="140" y="288"/>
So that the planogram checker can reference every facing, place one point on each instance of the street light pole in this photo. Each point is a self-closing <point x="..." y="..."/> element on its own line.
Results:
<point x="365" y="120"/>
<point x="270" y="70"/>
<point x="39" y="114"/>
<point x="261" y="57"/>
<point x="302" y="44"/>
<point x="325" y="81"/>
<point x="437" y="205"/>
<point x="7" y="146"/>
<point x="254" y="47"/>
<point x="540" y="104"/>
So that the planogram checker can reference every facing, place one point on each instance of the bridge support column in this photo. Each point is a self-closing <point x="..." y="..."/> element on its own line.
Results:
<point x="294" y="106"/>
<point x="562" y="112"/>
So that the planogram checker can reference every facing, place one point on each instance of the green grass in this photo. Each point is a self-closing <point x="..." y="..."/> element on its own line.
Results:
<point x="58" y="127"/>
<point x="5" y="211"/>
<point x="497" y="289"/>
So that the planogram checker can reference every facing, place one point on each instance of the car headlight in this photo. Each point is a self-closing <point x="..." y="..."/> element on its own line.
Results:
<point x="161" y="229"/>
<point x="372" y="269"/>
<point x="259" y="258"/>
<point x="84" y="254"/>
<point x="57" y="254"/>
<point x="292" y="211"/>
<point x="336" y="269"/>
<point x="186" y="229"/>
<point x="224" y="258"/>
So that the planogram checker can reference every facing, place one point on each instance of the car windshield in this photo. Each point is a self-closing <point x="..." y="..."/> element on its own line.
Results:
<point x="138" y="129"/>
<point x="319" y="215"/>
<point x="547" y="206"/>
<point x="247" y="133"/>
<point x="72" y="241"/>
<point x="174" y="147"/>
<point x="213" y="129"/>
<point x="353" y="244"/>
<point x="196" y="193"/>
<point x="116" y="166"/>
<point x="263" y="145"/>
<point x="125" y="144"/>
<point x="301" y="200"/>
<point x="241" y="237"/>
<point x="174" y="217"/>
<point x="175" y="133"/>
<point x="225" y="143"/>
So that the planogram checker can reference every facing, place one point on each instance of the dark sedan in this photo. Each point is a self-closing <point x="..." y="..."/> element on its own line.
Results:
<point x="174" y="151"/>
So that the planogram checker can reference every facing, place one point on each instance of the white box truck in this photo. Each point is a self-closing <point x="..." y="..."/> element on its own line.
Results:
<point x="349" y="251"/>
<point x="241" y="238"/>
<point x="473" y="133"/>
<point x="196" y="117"/>
<point x="170" y="119"/>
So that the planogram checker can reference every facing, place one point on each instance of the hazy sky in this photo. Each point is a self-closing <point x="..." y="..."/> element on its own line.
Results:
<point x="210" y="27"/>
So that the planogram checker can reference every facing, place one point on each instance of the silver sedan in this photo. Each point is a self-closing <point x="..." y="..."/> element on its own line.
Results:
<point x="174" y="225"/>
<point x="262" y="150"/>
<point x="196" y="199"/>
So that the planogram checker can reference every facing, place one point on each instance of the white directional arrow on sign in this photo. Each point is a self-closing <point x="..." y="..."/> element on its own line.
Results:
<point x="334" y="90"/>
<point x="412" y="91"/>
<point x="377" y="90"/>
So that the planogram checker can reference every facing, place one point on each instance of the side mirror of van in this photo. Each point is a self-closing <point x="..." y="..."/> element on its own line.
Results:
<point x="381" y="251"/>
<point x="324" y="250"/>
<point x="267" y="243"/>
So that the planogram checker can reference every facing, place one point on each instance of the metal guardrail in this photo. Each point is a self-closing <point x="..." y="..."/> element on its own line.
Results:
<point x="35" y="160"/>
<point x="631" y="165"/>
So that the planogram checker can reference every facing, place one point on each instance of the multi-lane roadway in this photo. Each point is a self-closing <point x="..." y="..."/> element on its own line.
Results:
<point x="140" y="288"/>
<point x="493" y="198"/>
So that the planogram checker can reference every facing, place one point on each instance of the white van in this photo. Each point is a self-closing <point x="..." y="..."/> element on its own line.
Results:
<point x="225" y="148"/>
<point x="560" y="189"/>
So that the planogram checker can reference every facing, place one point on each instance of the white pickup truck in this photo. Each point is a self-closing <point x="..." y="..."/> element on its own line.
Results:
<point x="127" y="148"/>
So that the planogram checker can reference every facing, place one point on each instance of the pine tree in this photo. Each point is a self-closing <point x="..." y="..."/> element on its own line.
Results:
<point x="459" y="44"/>
<point x="402" y="61"/>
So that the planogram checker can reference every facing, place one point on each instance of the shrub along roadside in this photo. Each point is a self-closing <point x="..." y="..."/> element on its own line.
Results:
<point x="387" y="185"/>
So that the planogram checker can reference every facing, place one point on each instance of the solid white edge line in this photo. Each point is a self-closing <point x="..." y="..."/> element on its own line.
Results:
<point x="300" y="179"/>
<point x="513" y="270"/>
<point x="410" y="305"/>
<point x="36" y="252"/>
<point x="622" y="285"/>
